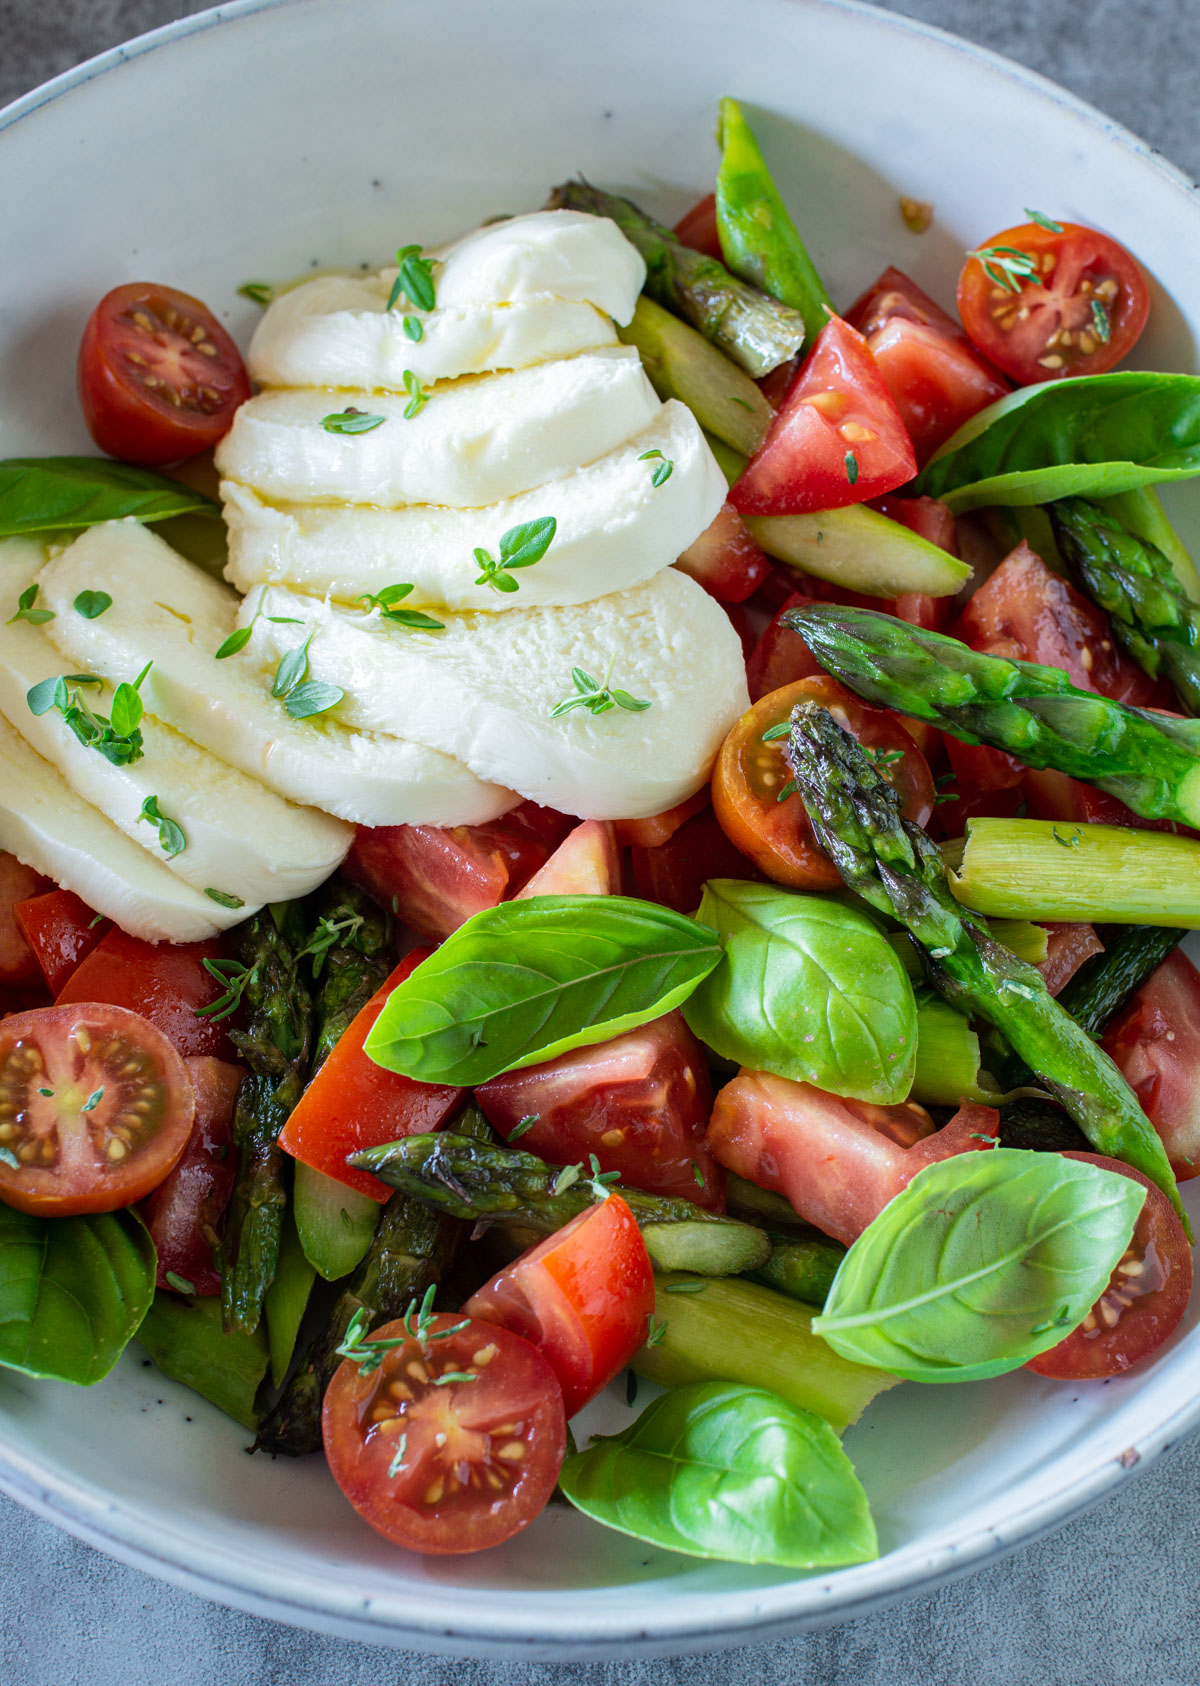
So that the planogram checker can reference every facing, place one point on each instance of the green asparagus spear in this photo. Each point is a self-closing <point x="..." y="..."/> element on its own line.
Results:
<point x="1102" y="985"/>
<point x="350" y="955"/>
<point x="1148" y="761"/>
<point x="185" y="1339"/>
<point x="484" y="1182"/>
<point x="680" y="363"/>
<point x="758" y="237"/>
<point x="756" y="331"/>
<point x="1135" y="584"/>
<point x="804" y="1267"/>
<point x="895" y="866"/>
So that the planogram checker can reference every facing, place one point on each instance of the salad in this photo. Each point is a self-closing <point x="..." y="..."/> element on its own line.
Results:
<point x="644" y="832"/>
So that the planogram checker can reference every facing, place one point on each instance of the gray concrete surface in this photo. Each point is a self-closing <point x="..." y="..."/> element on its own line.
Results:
<point x="1108" y="1601"/>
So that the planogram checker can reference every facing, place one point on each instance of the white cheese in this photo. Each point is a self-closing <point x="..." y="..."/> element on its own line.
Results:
<point x="568" y="254"/>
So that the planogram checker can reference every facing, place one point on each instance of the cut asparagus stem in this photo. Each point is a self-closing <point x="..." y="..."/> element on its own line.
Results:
<point x="1143" y="513"/>
<point x="761" y="1206"/>
<point x="185" y="1339"/>
<point x="860" y="549"/>
<point x="1103" y="985"/>
<point x="947" y="1071"/>
<point x="680" y="363"/>
<point x="802" y="1269"/>
<point x="731" y="463"/>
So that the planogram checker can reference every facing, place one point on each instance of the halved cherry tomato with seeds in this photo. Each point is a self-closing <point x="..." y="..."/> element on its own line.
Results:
<point x="96" y="1108"/>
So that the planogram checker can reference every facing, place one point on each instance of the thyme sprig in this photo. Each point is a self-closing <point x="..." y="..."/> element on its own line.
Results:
<point x="520" y="547"/>
<point x="597" y="695"/>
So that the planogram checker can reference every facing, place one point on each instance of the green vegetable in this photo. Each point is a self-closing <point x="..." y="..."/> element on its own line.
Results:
<point x="520" y="547"/>
<point x="58" y="494"/>
<point x="527" y="980"/>
<point x="731" y="463"/>
<point x="680" y="363"/>
<point x="90" y="604"/>
<point x="802" y="1266"/>
<point x="1143" y="513"/>
<point x="859" y="549"/>
<point x="1040" y="1126"/>
<point x="808" y="989"/>
<point x="1090" y="436"/>
<point x="734" y="1473"/>
<point x="334" y="1223"/>
<point x="1103" y="984"/>
<point x="947" y="1067"/>
<point x="187" y="1343"/>
<point x="26" y="610"/>
<point x="982" y="1262"/>
<point x="287" y="1300"/>
<point x="597" y="695"/>
<point x="758" y="237"/>
<point x="73" y="1291"/>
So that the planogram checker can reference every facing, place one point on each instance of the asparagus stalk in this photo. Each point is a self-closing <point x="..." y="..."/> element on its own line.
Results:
<point x="756" y="331"/>
<point x="185" y="1339"/>
<point x="680" y="363"/>
<point x="1150" y="762"/>
<point x="948" y="1058"/>
<point x="486" y="1183"/>
<point x="1142" y="512"/>
<point x="1103" y="985"/>
<point x="349" y="952"/>
<point x="1135" y="584"/>
<point x="894" y="865"/>
<point x="803" y="1269"/>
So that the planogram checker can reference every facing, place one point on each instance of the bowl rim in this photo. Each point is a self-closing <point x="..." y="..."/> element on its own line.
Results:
<point x="565" y="1627"/>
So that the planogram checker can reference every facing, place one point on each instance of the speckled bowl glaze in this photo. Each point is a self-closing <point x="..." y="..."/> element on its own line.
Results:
<point x="273" y="136"/>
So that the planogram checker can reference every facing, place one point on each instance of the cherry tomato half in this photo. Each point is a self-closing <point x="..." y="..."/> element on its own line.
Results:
<point x="1155" y="1043"/>
<point x="95" y="1108"/>
<point x="1079" y="313"/>
<point x="454" y="1442"/>
<point x="159" y="378"/>
<point x="1145" y="1298"/>
<point x="750" y="774"/>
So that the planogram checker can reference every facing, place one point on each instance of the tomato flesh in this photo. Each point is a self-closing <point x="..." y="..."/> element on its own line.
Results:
<point x="95" y="1109"/>
<point x="18" y="882"/>
<point x="583" y="1296"/>
<point x="62" y="930"/>
<point x="443" y="1465"/>
<point x="675" y="871"/>
<point x="1145" y="1299"/>
<point x="660" y="828"/>
<point x="166" y="983"/>
<point x="184" y="1212"/>
<point x="697" y="228"/>
<point x="781" y="656"/>
<point x="1155" y="1042"/>
<point x="586" y="863"/>
<point x="1067" y="947"/>
<point x="724" y="559"/>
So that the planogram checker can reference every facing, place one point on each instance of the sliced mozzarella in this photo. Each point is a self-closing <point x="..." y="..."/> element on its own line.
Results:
<point x="565" y="253"/>
<point x="167" y="610"/>
<point x="240" y="837"/>
<point x="483" y="690"/>
<point x="337" y="331"/>
<point x="46" y="825"/>
<point x="615" y="529"/>
<point x="473" y="442"/>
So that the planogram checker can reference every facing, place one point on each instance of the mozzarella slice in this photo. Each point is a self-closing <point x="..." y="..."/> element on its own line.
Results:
<point x="46" y="825"/>
<point x="483" y="690"/>
<point x="473" y="442"/>
<point x="337" y="331"/>
<point x="166" y="609"/>
<point x="565" y="253"/>
<point x="615" y="529"/>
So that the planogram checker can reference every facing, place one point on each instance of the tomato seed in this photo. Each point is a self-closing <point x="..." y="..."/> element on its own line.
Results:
<point x="484" y="1356"/>
<point x="434" y="1491"/>
<point x="512" y="1451"/>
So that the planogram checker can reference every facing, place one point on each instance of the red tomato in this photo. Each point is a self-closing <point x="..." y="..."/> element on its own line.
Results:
<point x="930" y="519"/>
<point x="640" y="1103"/>
<point x="953" y="811"/>
<point x="774" y="385"/>
<point x="697" y="228"/>
<point x="164" y="982"/>
<point x="583" y="1296"/>
<point x="1146" y="1296"/>
<point x="159" y="378"/>
<point x="935" y="375"/>
<point x="659" y="828"/>
<point x="352" y="1103"/>
<point x="18" y="963"/>
<point x="62" y="930"/>
<point x="750" y="774"/>
<point x="95" y="1106"/>
<point x="1054" y="796"/>
<point x="838" y="1161"/>
<point x="1155" y="1041"/>
<point x="1067" y="947"/>
<point x="184" y="1212"/>
<point x="586" y="863"/>
<point x="781" y="656"/>
<point x="725" y="560"/>
<point x="440" y="1464"/>
<point x="1084" y="311"/>
<point x="743" y="623"/>
<point x="838" y="438"/>
<point x="675" y="872"/>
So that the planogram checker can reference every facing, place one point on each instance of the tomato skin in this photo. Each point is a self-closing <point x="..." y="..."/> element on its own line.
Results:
<point x="430" y="1500"/>
<point x="675" y="872"/>
<point x="352" y="1103"/>
<point x="1054" y="796"/>
<point x="659" y="828"/>
<point x="1068" y="947"/>
<point x="640" y="1103"/>
<point x="583" y="1296"/>
<point x="18" y="882"/>
<point x="697" y="228"/>
<point x="950" y="818"/>
<point x="837" y="408"/>
<point x="781" y="656"/>
<point x="184" y="1212"/>
<point x="62" y="930"/>
<point x="164" y="982"/>
<point x="142" y="333"/>
<point x="93" y="1157"/>
<point x="1155" y="1043"/>
<point x="1158" y="1294"/>
<point x="1077" y="265"/>
<point x="586" y="863"/>
<point x="724" y="559"/>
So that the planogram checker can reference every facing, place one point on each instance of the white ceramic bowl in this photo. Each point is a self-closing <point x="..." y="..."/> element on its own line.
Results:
<point x="269" y="136"/>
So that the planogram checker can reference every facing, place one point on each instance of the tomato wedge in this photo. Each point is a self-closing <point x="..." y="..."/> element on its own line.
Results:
<point x="184" y="1211"/>
<point x="1043" y="303"/>
<point x="724" y="559"/>
<point x="675" y="871"/>
<point x="1067" y="947"/>
<point x="454" y="1442"/>
<point x="583" y="1296"/>
<point x="62" y="930"/>
<point x="95" y="1109"/>
<point x="697" y="228"/>
<point x="1155" y="1042"/>
<point x="18" y="963"/>
<point x="167" y="983"/>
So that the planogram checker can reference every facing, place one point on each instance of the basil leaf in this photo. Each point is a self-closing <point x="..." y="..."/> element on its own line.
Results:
<point x="73" y="1291"/>
<point x="1093" y="436"/>
<point x="48" y="494"/>
<point x="714" y="1469"/>
<point x="982" y="1262"/>
<point x="527" y="980"/>
<point x="807" y="989"/>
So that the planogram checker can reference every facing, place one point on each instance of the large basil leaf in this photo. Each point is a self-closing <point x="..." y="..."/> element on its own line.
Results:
<point x="981" y="1263"/>
<point x="1093" y="436"/>
<point x="73" y="1291"/>
<point x="527" y="980"/>
<point x="715" y="1469"/>
<point x="808" y="989"/>
<point x="54" y="494"/>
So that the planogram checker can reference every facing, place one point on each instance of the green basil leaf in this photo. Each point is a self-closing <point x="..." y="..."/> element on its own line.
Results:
<point x="808" y="989"/>
<point x="73" y="1291"/>
<point x="311" y="698"/>
<point x="1092" y="436"/>
<point x="527" y="980"/>
<point x="714" y="1469"/>
<point x="982" y="1262"/>
<point x="48" y="494"/>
